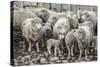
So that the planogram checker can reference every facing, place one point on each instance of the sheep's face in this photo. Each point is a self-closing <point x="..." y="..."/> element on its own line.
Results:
<point x="52" y="20"/>
<point x="48" y="29"/>
<point x="85" y="17"/>
<point x="43" y="14"/>
<point x="62" y="29"/>
<point x="38" y="26"/>
<point x="37" y="23"/>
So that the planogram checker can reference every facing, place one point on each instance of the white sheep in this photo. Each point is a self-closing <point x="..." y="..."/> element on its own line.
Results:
<point x="73" y="19"/>
<point x="61" y="27"/>
<point x="31" y="31"/>
<point x="55" y="17"/>
<point x="43" y="13"/>
<point x="20" y="15"/>
<point x="71" y="42"/>
<point x="54" y="43"/>
<point x="90" y="16"/>
<point x="84" y="37"/>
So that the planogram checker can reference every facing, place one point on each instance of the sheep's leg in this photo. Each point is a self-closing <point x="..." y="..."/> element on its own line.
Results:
<point x="37" y="46"/>
<point x="80" y="56"/>
<point x="80" y="48"/>
<point x="89" y="45"/>
<point x="43" y="41"/>
<point x="72" y="50"/>
<point x="55" y="50"/>
<point x="30" y="45"/>
<point x="49" y="48"/>
<point x="59" y="51"/>
<point x="29" y="49"/>
<point x="86" y="52"/>
<point x="68" y="52"/>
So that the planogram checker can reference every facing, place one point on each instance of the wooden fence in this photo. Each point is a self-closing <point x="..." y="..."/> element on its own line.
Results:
<point x="53" y="6"/>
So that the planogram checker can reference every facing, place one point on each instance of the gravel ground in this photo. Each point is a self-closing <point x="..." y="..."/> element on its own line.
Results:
<point x="33" y="58"/>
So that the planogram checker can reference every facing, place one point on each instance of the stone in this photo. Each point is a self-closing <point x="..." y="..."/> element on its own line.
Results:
<point x="53" y="58"/>
<point x="46" y="54"/>
<point x="58" y="61"/>
<point x="19" y="57"/>
<point x="43" y="60"/>
<point x="64" y="61"/>
<point x="62" y="58"/>
<point x="33" y="52"/>
<point x="15" y="64"/>
<point x="41" y="55"/>
<point x="26" y="63"/>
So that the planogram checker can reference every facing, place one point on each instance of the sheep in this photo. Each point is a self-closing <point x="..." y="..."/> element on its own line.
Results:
<point x="90" y="16"/>
<point x="84" y="37"/>
<point x="61" y="28"/>
<point x="21" y="15"/>
<point x="73" y="19"/>
<point x="43" y="13"/>
<point x="89" y="24"/>
<point x="71" y="42"/>
<point x="55" y="17"/>
<point x="18" y="16"/>
<point x="31" y="31"/>
<point x="46" y="33"/>
<point x="54" y="43"/>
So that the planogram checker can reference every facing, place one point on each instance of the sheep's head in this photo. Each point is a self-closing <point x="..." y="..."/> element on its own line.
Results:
<point x="43" y="14"/>
<point x="62" y="31"/>
<point x="52" y="20"/>
<point x="37" y="23"/>
<point x="85" y="16"/>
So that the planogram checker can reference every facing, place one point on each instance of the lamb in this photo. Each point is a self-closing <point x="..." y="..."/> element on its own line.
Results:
<point x="54" y="43"/>
<point x="31" y="31"/>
